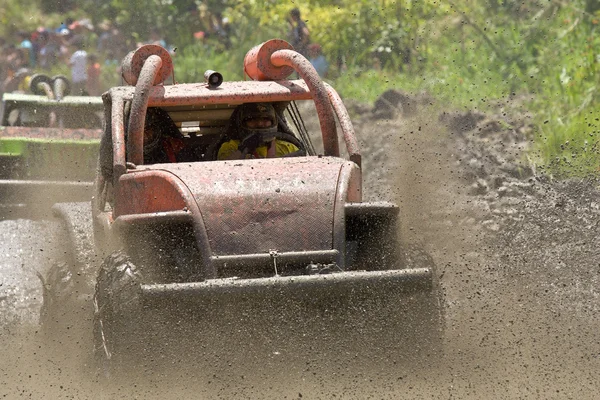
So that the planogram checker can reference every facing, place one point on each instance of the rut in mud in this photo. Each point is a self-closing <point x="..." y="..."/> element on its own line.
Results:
<point x="517" y="256"/>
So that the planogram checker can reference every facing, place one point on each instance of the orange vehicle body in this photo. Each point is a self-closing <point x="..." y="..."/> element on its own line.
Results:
<point x="187" y="236"/>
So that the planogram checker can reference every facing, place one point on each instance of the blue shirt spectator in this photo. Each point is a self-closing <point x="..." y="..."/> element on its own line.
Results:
<point x="27" y="46"/>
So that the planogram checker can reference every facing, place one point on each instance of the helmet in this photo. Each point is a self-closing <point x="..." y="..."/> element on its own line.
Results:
<point x="158" y="125"/>
<point x="254" y="111"/>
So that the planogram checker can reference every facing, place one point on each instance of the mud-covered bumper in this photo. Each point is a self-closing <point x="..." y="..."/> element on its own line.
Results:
<point x="354" y="320"/>
<point x="354" y="283"/>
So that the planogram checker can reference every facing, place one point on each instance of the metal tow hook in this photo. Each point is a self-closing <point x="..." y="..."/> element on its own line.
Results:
<point x="274" y="255"/>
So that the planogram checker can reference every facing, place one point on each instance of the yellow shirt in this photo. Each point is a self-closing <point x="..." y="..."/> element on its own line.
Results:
<point x="281" y="149"/>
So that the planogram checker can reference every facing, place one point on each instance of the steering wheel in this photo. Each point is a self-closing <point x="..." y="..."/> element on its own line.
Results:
<point x="293" y="140"/>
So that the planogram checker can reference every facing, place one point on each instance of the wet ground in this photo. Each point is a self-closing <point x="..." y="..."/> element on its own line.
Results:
<point x="517" y="257"/>
<point x="28" y="249"/>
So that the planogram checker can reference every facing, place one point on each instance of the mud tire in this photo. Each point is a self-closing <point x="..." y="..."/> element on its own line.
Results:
<point x="117" y="327"/>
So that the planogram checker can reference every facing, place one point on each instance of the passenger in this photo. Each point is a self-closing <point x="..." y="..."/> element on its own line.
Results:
<point x="162" y="139"/>
<point x="253" y="133"/>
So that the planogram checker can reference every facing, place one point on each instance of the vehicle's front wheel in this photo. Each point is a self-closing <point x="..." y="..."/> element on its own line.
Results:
<point x="117" y="314"/>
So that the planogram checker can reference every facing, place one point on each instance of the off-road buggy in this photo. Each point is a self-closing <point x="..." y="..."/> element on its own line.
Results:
<point x="225" y="263"/>
<point x="48" y="146"/>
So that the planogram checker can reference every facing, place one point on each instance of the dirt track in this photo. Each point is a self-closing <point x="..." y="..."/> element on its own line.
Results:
<point x="517" y="256"/>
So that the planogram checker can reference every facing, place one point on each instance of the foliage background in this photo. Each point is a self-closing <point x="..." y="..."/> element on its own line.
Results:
<point x="472" y="54"/>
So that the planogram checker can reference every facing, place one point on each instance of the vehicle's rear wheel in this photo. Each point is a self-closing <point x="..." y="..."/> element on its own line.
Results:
<point x="117" y="314"/>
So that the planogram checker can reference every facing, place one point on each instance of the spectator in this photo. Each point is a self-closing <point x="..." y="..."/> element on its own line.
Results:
<point x="207" y="25"/>
<point x="112" y="64"/>
<point x="64" y="38"/>
<point x="200" y="36"/>
<point x="222" y="29"/>
<point x="27" y="45"/>
<point x="78" y="64"/>
<point x="318" y="60"/>
<point x="118" y="43"/>
<point x="37" y="41"/>
<point x="78" y="33"/>
<point x="49" y="50"/>
<point x="299" y="34"/>
<point x="64" y="25"/>
<point x="111" y="61"/>
<point x="205" y="17"/>
<point x="89" y="33"/>
<point x="103" y="43"/>
<point x="93" y="87"/>
<point x="16" y="70"/>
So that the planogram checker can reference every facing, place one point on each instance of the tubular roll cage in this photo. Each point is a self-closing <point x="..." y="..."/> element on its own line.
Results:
<point x="271" y="61"/>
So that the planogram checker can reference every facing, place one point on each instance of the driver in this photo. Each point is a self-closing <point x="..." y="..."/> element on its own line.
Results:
<point x="252" y="134"/>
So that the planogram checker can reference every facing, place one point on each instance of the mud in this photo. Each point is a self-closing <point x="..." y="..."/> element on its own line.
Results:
<point x="28" y="248"/>
<point x="517" y="257"/>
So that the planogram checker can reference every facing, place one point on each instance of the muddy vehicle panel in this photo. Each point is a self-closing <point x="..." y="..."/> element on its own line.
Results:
<point x="48" y="149"/>
<point x="202" y="254"/>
